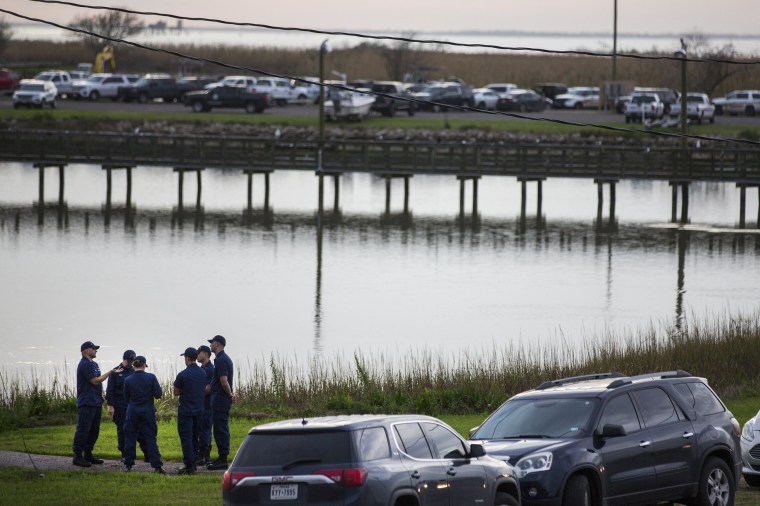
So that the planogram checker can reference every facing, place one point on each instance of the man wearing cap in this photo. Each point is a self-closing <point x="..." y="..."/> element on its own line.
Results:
<point x="221" y="401"/>
<point x="204" y="436"/>
<point x="117" y="405"/>
<point x="140" y="388"/>
<point x="190" y="386"/>
<point x="89" y="405"/>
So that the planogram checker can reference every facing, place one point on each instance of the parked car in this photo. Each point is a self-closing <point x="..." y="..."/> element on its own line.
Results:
<point x="644" y="106"/>
<point x="550" y="90"/>
<point x="485" y="98"/>
<point x="153" y="86"/>
<point x="60" y="78"/>
<point x="195" y="83"/>
<point x="388" y="105"/>
<point x="248" y="81"/>
<point x="227" y="97"/>
<point x="668" y="96"/>
<point x="9" y="80"/>
<point x="750" y="443"/>
<point x="100" y="85"/>
<point x="738" y="102"/>
<point x="522" y="101"/>
<point x="443" y="94"/>
<point x="35" y="93"/>
<point x="312" y="90"/>
<point x="698" y="108"/>
<point x="281" y="91"/>
<point x="367" y="460"/>
<point x="612" y="439"/>
<point x="578" y="97"/>
<point x="501" y="88"/>
<point x="621" y="103"/>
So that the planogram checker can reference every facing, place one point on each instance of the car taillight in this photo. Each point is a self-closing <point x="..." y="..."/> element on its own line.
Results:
<point x="352" y="477"/>
<point x="231" y="479"/>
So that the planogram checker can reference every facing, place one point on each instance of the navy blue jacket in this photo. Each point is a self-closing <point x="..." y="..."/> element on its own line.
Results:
<point x="88" y="394"/>
<point x="115" y="388"/>
<point x="140" y="388"/>
<point x="209" y="370"/>
<point x="192" y="385"/>
<point x="222" y="367"/>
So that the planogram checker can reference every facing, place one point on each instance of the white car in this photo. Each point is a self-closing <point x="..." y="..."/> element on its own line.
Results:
<point x="750" y="443"/>
<point x="312" y="90"/>
<point x="644" y="106"/>
<point x="738" y="102"/>
<point x="282" y="91"/>
<point x="502" y="89"/>
<point x="247" y="81"/>
<point x="698" y="108"/>
<point x="578" y="97"/>
<point x="485" y="98"/>
<point x="60" y="78"/>
<point x="35" y="93"/>
<point x="100" y="85"/>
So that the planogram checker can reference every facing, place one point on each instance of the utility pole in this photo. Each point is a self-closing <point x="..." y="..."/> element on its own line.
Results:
<point x="324" y="48"/>
<point x="614" y="44"/>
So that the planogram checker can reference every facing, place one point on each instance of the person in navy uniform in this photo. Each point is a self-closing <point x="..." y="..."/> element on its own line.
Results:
<point x="221" y="401"/>
<point x="89" y="405"/>
<point x="140" y="388"/>
<point x="204" y="436"/>
<point x="190" y="386"/>
<point x="117" y="406"/>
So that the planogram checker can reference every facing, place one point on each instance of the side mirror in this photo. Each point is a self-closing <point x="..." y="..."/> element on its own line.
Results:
<point x="476" y="450"/>
<point x="472" y="431"/>
<point x="612" y="430"/>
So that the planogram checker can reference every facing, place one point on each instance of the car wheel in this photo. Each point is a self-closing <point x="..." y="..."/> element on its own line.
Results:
<point x="94" y="96"/>
<point x="301" y="97"/>
<point x="198" y="107"/>
<point x="259" y="110"/>
<point x="142" y="98"/>
<point x="250" y="107"/>
<point x="712" y="119"/>
<point x="752" y="480"/>
<point x="716" y="486"/>
<point x="412" y="109"/>
<point x="699" y="119"/>
<point x="578" y="105"/>
<point x="577" y="492"/>
<point x="481" y="105"/>
<point x="52" y="104"/>
<point x="503" y="499"/>
<point x="719" y="110"/>
<point x="749" y="110"/>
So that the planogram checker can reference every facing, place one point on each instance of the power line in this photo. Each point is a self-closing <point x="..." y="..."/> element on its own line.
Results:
<point x="374" y="93"/>
<point x="399" y="39"/>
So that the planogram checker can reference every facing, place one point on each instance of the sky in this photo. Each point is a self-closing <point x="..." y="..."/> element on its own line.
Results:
<point x="638" y="16"/>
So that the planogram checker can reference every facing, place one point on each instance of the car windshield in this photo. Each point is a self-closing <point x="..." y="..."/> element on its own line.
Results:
<point x="434" y="90"/>
<point x="691" y="98"/>
<point x="539" y="418"/>
<point x="43" y="77"/>
<point x="643" y="99"/>
<point x="96" y="79"/>
<point x="32" y="87"/>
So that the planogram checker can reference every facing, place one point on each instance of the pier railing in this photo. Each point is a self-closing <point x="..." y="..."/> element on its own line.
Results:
<point x="521" y="159"/>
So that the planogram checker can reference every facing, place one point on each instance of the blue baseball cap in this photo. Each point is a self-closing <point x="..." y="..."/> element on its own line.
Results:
<point x="90" y="344"/>
<point x="205" y="349"/>
<point x="219" y="339"/>
<point x="190" y="352"/>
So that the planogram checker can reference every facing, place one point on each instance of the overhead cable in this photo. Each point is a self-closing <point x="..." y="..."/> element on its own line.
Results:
<point x="401" y="39"/>
<point x="374" y="93"/>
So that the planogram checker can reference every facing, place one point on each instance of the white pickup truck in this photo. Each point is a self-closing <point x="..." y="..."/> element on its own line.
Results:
<point x="281" y="91"/>
<point x="60" y="78"/>
<point x="100" y="85"/>
<point x="698" y="108"/>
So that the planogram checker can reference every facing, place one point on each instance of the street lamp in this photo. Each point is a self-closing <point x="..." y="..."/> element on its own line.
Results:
<point x="681" y="54"/>
<point x="324" y="48"/>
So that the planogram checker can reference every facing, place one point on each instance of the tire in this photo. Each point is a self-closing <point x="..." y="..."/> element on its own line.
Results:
<point x="301" y="97"/>
<point x="712" y="119"/>
<point x="52" y="104"/>
<point x="752" y="480"/>
<point x="481" y="105"/>
<point x="94" y="96"/>
<point x="577" y="492"/>
<point x="578" y="105"/>
<point x="719" y="110"/>
<point x="504" y="499"/>
<point x="716" y="485"/>
<point x="198" y="106"/>
<point x="392" y="110"/>
<point x="250" y="107"/>
<point x="259" y="109"/>
<point x="412" y="110"/>
<point x="142" y="98"/>
<point x="749" y="110"/>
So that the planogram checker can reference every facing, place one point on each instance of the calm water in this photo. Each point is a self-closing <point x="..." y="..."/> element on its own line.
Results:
<point x="298" y="285"/>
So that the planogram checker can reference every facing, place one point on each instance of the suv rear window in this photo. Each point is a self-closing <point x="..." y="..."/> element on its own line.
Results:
<point x="282" y="448"/>
<point x="700" y="397"/>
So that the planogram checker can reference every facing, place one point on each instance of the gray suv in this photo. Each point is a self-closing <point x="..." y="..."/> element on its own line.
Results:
<point x="367" y="460"/>
<point x="609" y="439"/>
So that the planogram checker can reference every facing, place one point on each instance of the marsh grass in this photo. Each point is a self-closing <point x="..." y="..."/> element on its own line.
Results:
<point x="722" y="348"/>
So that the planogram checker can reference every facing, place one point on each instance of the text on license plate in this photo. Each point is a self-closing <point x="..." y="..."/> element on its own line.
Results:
<point x="283" y="492"/>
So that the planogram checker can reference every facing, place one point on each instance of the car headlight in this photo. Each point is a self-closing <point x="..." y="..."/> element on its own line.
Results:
<point x="748" y="432"/>
<point x="534" y="463"/>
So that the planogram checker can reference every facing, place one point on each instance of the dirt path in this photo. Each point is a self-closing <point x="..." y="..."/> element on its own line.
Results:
<point x="59" y="463"/>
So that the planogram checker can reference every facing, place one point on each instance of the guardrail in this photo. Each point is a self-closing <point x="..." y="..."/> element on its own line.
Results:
<point x="523" y="159"/>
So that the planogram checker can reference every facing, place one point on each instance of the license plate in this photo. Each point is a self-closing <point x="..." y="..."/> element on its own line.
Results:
<point x="283" y="492"/>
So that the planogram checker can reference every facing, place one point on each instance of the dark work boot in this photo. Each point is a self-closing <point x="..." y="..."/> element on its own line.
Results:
<point x="159" y="470"/>
<point x="219" y="464"/>
<point x="186" y="470"/>
<point x="80" y="461"/>
<point x="91" y="459"/>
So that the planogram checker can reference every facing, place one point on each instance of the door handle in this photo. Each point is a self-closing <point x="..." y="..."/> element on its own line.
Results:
<point x="416" y="475"/>
<point x="687" y="435"/>
<point x="644" y="444"/>
<point x="451" y="472"/>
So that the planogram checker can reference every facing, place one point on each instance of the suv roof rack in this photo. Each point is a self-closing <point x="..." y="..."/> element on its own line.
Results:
<point x="662" y="375"/>
<point x="578" y="379"/>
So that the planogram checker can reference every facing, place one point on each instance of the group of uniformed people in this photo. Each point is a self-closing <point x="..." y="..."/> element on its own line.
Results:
<point x="205" y="398"/>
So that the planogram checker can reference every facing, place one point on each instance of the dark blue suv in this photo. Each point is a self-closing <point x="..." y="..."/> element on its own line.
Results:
<point x="609" y="439"/>
<point x="366" y="460"/>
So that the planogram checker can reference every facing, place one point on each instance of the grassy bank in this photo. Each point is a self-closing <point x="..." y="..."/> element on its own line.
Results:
<point x="723" y="348"/>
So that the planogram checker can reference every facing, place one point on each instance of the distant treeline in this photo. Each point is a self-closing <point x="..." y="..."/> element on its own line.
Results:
<point x="378" y="62"/>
